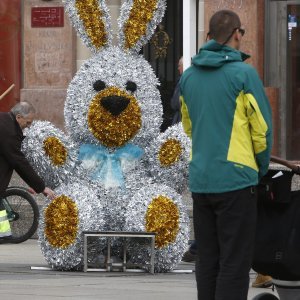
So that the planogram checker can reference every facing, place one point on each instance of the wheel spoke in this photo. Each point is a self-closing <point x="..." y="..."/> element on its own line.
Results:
<point x="23" y="206"/>
<point x="25" y="215"/>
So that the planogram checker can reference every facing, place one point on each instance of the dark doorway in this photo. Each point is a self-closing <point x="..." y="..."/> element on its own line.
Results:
<point x="293" y="80"/>
<point x="10" y="40"/>
<point x="163" y="53"/>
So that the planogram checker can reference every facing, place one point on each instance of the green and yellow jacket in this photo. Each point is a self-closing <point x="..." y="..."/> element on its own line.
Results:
<point x="228" y="116"/>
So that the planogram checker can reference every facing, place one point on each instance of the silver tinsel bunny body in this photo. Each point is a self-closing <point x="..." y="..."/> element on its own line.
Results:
<point x="131" y="174"/>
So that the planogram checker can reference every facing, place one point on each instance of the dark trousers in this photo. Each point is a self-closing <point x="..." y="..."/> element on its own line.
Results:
<point x="193" y="247"/>
<point x="2" y="207"/>
<point x="224" y="225"/>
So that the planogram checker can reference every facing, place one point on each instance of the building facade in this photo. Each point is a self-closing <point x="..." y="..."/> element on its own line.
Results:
<point x="40" y="53"/>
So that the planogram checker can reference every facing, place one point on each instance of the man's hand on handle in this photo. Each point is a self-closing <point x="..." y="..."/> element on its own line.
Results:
<point x="46" y="192"/>
<point x="49" y="193"/>
<point x="31" y="191"/>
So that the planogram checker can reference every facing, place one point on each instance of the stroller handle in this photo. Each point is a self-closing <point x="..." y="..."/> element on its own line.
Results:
<point x="287" y="163"/>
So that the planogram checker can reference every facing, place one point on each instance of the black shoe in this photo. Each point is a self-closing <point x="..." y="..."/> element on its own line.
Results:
<point x="188" y="256"/>
<point x="6" y="239"/>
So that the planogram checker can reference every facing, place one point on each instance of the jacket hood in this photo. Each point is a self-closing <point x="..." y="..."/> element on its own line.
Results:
<point x="215" y="55"/>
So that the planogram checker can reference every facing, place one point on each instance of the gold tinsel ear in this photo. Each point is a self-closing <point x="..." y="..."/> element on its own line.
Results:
<point x="92" y="21"/>
<point x="138" y="21"/>
<point x="91" y="16"/>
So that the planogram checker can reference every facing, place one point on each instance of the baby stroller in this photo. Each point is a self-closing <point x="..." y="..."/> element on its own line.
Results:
<point x="277" y="247"/>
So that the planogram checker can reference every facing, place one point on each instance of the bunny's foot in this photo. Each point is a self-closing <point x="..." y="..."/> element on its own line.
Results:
<point x="62" y="222"/>
<point x="158" y="208"/>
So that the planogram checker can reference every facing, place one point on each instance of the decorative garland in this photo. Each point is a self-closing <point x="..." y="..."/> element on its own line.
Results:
<point x="161" y="41"/>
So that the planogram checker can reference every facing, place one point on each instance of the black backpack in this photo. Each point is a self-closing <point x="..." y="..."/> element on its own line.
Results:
<point x="277" y="245"/>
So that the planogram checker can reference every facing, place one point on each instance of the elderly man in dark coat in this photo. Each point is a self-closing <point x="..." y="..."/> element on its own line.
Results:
<point x="11" y="158"/>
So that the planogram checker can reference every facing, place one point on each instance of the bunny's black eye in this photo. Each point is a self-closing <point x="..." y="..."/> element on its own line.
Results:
<point x="131" y="86"/>
<point x="99" y="85"/>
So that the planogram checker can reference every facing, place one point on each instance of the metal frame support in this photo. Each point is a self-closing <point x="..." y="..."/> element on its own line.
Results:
<point x="124" y="235"/>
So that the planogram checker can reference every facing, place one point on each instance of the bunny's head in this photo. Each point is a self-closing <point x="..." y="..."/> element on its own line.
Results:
<point x="111" y="97"/>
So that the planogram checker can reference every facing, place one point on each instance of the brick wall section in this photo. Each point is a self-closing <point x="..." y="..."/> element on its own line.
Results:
<point x="273" y="95"/>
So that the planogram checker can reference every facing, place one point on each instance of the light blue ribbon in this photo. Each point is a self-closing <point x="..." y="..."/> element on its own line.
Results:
<point x="108" y="167"/>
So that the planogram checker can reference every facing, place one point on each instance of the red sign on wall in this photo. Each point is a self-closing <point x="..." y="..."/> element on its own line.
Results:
<point x="47" y="16"/>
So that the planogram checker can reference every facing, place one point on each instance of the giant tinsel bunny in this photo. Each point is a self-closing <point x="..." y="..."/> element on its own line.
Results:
<point x="113" y="170"/>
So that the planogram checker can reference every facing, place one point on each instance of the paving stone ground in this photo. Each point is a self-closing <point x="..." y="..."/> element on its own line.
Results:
<point x="19" y="281"/>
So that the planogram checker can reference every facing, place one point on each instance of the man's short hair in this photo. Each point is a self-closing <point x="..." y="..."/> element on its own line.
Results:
<point x="222" y="24"/>
<point x="23" y="108"/>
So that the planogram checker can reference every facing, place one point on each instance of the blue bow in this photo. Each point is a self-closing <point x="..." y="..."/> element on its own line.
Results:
<point x="107" y="166"/>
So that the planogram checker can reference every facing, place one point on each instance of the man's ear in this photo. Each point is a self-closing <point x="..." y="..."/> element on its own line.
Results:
<point x="236" y="35"/>
<point x="18" y="116"/>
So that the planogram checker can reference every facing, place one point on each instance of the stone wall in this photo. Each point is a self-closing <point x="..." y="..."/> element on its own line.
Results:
<point x="201" y="29"/>
<point x="252" y="15"/>
<point x="49" y="63"/>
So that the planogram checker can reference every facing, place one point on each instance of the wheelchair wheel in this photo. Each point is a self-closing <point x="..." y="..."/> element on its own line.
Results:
<point x="22" y="213"/>
<point x="265" y="296"/>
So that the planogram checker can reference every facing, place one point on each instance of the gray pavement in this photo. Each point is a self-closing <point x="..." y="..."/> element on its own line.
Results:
<point x="19" y="281"/>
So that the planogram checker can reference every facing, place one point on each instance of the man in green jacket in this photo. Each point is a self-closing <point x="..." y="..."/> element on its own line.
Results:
<point x="228" y="116"/>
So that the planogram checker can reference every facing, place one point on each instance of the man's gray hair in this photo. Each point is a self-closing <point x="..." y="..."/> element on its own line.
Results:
<point x="23" y="108"/>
